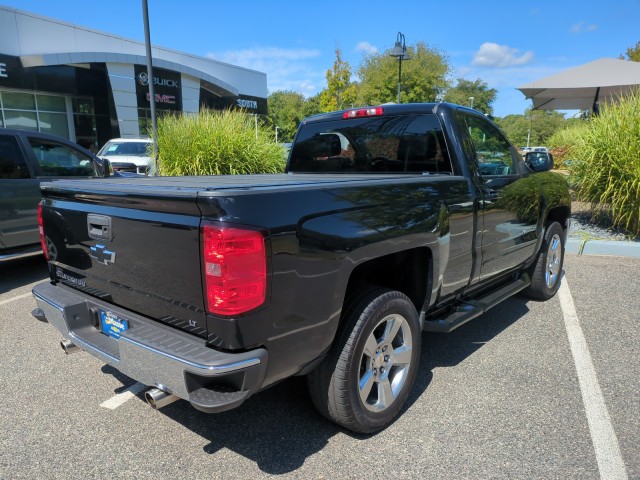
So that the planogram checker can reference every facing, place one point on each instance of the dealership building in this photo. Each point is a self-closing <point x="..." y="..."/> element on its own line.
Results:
<point x="91" y="86"/>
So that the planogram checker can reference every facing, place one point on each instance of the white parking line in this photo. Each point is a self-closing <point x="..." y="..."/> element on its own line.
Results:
<point x="13" y="299"/>
<point x="122" y="397"/>
<point x="605" y="442"/>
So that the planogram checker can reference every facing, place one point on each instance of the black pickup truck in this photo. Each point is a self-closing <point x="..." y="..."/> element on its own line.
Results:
<point x="389" y="221"/>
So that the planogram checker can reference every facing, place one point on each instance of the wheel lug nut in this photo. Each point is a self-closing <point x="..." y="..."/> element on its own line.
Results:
<point x="384" y="349"/>
<point x="386" y="358"/>
<point x="381" y="370"/>
<point x="375" y="372"/>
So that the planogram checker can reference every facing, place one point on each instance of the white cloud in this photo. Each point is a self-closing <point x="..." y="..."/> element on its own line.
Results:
<point x="581" y="27"/>
<point x="506" y="80"/>
<point x="494" y="55"/>
<point x="286" y="69"/>
<point x="248" y="57"/>
<point x="366" y="47"/>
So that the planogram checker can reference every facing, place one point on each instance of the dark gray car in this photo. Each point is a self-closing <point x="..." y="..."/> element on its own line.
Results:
<point x="26" y="159"/>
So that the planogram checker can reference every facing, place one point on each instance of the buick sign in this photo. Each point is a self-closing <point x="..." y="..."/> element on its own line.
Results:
<point x="143" y="79"/>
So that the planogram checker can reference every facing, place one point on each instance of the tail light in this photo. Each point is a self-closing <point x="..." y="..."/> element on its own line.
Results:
<point x="43" y="242"/>
<point x="235" y="269"/>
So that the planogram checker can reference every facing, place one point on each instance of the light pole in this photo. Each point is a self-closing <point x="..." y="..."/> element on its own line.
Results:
<point x="277" y="133"/>
<point x="400" y="51"/>
<point x="471" y="102"/>
<point x="152" y="96"/>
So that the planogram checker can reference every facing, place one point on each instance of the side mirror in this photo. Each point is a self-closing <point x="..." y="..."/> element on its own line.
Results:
<point x="106" y="170"/>
<point x="539" y="161"/>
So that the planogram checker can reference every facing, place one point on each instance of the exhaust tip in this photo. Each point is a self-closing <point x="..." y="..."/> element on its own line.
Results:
<point x="69" y="347"/>
<point x="157" y="398"/>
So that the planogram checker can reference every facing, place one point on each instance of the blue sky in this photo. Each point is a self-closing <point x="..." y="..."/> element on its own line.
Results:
<point x="505" y="43"/>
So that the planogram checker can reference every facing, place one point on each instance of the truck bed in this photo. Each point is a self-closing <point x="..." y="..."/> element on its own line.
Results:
<point x="150" y="261"/>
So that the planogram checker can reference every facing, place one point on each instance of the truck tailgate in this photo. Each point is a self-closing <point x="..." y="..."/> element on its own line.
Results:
<point x="140" y="251"/>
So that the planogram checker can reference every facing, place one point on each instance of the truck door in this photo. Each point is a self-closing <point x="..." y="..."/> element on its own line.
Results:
<point x="19" y="196"/>
<point x="508" y="210"/>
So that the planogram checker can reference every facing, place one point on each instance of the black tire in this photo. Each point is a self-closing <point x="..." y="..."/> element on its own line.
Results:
<point x="546" y="273"/>
<point x="56" y="248"/>
<point x="367" y="375"/>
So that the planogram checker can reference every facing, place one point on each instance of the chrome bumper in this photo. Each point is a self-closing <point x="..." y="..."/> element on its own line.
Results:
<point x="155" y="354"/>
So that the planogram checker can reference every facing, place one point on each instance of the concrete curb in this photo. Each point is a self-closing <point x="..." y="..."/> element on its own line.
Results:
<point x="603" y="247"/>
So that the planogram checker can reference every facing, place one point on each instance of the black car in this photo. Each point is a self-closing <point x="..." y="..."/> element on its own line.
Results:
<point x="26" y="158"/>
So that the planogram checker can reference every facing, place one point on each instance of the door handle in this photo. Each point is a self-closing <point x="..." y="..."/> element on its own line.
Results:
<point x="99" y="227"/>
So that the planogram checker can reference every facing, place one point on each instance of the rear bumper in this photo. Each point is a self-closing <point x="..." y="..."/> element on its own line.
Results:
<point x="155" y="354"/>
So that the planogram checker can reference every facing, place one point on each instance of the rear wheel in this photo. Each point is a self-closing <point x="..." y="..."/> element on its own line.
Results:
<point x="547" y="271"/>
<point x="55" y="246"/>
<point x="368" y="374"/>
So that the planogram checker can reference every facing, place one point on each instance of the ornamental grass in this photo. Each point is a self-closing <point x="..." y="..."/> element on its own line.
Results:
<point x="216" y="143"/>
<point x="606" y="161"/>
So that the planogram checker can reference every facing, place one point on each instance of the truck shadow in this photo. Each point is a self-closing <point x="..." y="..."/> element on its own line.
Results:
<point x="279" y="428"/>
<point x="20" y="272"/>
<point x="449" y="349"/>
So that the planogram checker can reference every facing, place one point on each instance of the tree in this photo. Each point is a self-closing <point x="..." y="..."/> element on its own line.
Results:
<point x="286" y="111"/>
<point x="340" y="92"/>
<point x="311" y="106"/>
<point x="535" y="125"/>
<point x="424" y="76"/>
<point x="633" y="53"/>
<point x="483" y="96"/>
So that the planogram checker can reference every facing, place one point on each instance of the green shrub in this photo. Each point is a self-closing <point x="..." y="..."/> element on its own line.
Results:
<point x="216" y="143"/>
<point x="565" y="144"/>
<point x="606" y="161"/>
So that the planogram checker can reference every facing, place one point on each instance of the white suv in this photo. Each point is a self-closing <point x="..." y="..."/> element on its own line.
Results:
<point x="128" y="154"/>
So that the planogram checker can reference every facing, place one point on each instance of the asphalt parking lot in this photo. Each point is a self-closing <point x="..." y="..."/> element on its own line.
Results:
<point x="529" y="390"/>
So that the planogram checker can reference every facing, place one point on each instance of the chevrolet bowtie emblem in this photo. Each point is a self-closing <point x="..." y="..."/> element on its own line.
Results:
<point x="102" y="255"/>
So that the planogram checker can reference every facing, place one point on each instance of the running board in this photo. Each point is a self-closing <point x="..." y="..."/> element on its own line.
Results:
<point x="474" y="307"/>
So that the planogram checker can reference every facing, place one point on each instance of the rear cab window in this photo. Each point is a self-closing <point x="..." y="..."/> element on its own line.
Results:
<point x="406" y="144"/>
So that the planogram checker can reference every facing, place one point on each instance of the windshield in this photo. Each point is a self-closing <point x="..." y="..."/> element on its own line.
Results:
<point x="131" y="149"/>
<point x="384" y="144"/>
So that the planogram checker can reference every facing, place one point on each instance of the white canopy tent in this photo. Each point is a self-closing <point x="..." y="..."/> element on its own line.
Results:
<point x="583" y="87"/>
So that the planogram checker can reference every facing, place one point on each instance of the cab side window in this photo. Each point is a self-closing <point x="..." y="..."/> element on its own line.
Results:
<point x="58" y="160"/>
<point x="492" y="150"/>
<point x="12" y="164"/>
